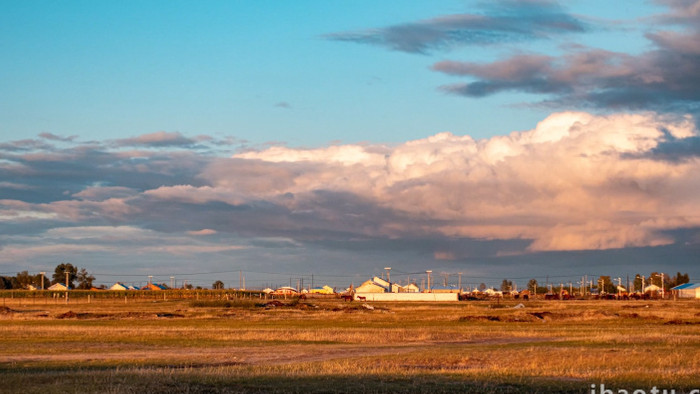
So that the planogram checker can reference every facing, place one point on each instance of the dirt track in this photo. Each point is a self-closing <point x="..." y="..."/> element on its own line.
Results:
<point x="251" y="355"/>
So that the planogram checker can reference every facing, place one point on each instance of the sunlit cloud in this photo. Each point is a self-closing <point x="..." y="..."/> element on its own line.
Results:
<point x="577" y="181"/>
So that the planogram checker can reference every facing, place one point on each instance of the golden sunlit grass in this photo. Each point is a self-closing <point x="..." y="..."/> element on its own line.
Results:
<point x="331" y="346"/>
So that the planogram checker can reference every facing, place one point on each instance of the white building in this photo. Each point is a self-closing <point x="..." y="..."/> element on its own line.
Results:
<point x="687" y="290"/>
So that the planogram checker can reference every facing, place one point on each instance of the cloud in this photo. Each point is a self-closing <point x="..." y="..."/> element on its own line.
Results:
<point x="158" y="139"/>
<point x="283" y="104"/>
<point x="665" y="78"/>
<point x="54" y="137"/>
<point x="570" y="184"/>
<point x="206" y="231"/>
<point x="577" y="181"/>
<point x="505" y="21"/>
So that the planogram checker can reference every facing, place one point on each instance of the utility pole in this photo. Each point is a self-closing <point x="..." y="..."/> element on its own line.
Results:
<point x="240" y="280"/>
<point x="172" y="285"/>
<point x="42" y="279"/>
<point x="643" y="280"/>
<point x="459" y="275"/>
<point x="662" y="286"/>
<point x="150" y="280"/>
<point x="429" y="272"/>
<point x="561" y="291"/>
<point x="388" y="277"/>
<point x="619" y="284"/>
<point x="66" y="287"/>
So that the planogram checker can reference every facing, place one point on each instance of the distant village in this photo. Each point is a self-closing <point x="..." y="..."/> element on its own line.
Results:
<point x="376" y="288"/>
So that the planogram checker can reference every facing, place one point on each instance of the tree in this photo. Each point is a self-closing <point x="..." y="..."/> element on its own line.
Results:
<point x="84" y="279"/>
<point x="5" y="282"/>
<point x="532" y="285"/>
<point x="23" y="280"/>
<point x="218" y="285"/>
<point x="679" y="279"/>
<point x="605" y="284"/>
<point x="59" y="275"/>
<point x="638" y="283"/>
<point x="506" y="285"/>
<point x="38" y="284"/>
<point x="482" y="286"/>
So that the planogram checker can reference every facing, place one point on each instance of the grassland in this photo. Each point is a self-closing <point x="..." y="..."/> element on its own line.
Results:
<point x="325" y="345"/>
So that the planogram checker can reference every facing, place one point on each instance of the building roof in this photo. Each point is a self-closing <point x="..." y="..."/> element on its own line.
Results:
<point x="687" y="286"/>
<point x="57" y="286"/>
<point x="286" y="289"/>
<point x="154" y="286"/>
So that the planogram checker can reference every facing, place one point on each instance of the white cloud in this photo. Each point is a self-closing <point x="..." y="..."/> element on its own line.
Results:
<point x="576" y="181"/>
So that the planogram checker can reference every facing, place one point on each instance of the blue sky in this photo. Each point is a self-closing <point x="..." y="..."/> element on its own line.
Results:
<point x="501" y="138"/>
<point x="259" y="71"/>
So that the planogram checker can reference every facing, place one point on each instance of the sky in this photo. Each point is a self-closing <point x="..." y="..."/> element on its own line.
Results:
<point x="283" y="141"/>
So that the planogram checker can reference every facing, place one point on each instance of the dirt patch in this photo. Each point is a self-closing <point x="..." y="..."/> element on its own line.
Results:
<point x="479" y="318"/>
<point x="583" y="316"/>
<point x="73" y="315"/>
<point x="542" y="315"/>
<point x="169" y="315"/>
<point x="680" y="322"/>
<point x="114" y="316"/>
<point x="6" y="311"/>
<point x="273" y="304"/>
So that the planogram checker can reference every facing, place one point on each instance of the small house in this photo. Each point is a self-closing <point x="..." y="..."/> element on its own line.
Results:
<point x="379" y="285"/>
<point x="652" y="289"/>
<point x="322" y="290"/>
<point x="286" y="290"/>
<point x="370" y="287"/>
<point x="120" y="286"/>
<point x="58" y="287"/>
<point x="154" y="287"/>
<point x="493" y="293"/>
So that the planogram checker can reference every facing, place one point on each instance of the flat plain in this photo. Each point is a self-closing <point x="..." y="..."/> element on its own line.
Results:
<point x="327" y="345"/>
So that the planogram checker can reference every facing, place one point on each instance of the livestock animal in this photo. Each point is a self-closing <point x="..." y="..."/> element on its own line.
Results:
<point x="361" y="298"/>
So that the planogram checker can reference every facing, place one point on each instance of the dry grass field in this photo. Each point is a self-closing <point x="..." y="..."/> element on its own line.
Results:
<point x="325" y="345"/>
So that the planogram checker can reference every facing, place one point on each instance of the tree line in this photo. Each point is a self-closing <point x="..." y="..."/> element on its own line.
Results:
<point x="77" y="278"/>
